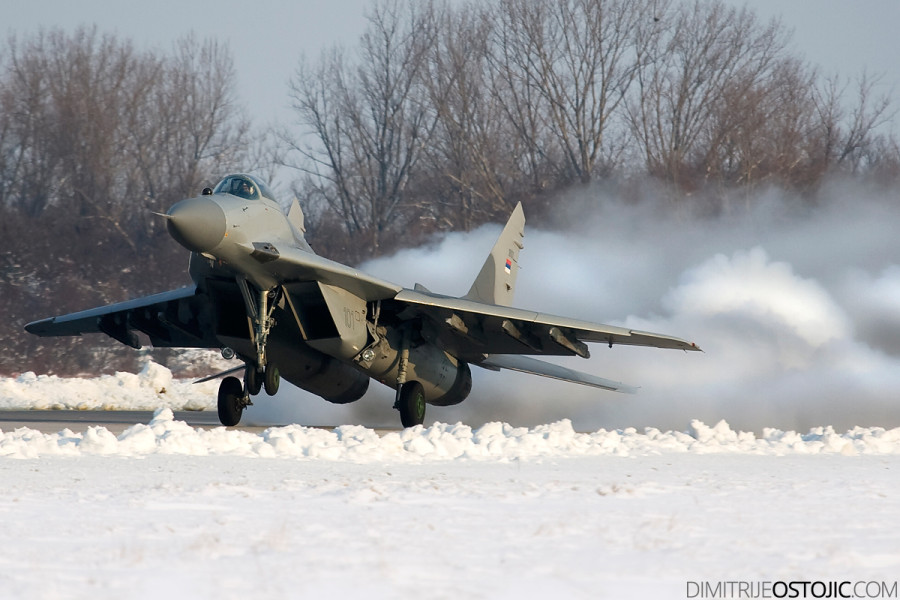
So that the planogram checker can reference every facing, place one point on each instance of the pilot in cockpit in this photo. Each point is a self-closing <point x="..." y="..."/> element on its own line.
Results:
<point x="240" y="186"/>
<point x="246" y="189"/>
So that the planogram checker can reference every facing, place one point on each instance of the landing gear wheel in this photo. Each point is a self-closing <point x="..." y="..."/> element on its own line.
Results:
<point x="273" y="379"/>
<point x="411" y="404"/>
<point x="252" y="380"/>
<point x="231" y="401"/>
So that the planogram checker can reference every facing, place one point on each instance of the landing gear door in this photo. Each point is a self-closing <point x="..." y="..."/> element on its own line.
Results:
<point x="333" y="320"/>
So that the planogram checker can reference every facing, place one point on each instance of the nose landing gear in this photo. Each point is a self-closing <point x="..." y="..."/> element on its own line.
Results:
<point x="271" y="379"/>
<point x="255" y="380"/>
<point x="260" y="374"/>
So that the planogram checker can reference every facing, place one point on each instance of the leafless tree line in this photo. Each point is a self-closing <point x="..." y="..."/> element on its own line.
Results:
<point x="94" y="135"/>
<point x="91" y="127"/>
<point x="442" y="116"/>
<point x="449" y="113"/>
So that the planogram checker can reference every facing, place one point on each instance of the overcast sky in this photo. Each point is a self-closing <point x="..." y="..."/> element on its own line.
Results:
<point x="267" y="37"/>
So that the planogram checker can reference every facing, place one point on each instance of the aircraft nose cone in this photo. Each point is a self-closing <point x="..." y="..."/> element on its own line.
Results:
<point x="198" y="224"/>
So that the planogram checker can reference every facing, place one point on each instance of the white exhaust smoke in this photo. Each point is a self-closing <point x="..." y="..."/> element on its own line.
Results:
<point x="795" y="302"/>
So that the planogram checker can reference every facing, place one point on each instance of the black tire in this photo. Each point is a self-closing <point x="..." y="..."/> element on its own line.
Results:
<point x="252" y="380"/>
<point x="231" y="401"/>
<point x="272" y="380"/>
<point x="412" y="404"/>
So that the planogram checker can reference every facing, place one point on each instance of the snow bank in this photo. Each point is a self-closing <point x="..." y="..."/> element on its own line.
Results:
<point x="440" y="442"/>
<point x="154" y="387"/>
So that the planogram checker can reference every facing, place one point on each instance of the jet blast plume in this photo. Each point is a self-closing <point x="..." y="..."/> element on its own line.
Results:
<point x="796" y="303"/>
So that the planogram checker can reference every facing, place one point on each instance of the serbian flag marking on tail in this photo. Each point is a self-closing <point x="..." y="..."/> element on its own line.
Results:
<point x="508" y="265"/>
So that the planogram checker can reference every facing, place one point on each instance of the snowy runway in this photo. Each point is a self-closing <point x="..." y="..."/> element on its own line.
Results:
<point x="166" y="510"/>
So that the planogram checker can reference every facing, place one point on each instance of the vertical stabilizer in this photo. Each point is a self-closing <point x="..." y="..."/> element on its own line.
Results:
<point x="496" y="282"/>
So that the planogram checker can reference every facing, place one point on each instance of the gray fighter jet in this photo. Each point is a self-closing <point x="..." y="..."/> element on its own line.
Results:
<point x="260" y="293"/>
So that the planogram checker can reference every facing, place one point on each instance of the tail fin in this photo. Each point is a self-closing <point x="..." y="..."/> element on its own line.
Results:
<point x="496" y="282"/>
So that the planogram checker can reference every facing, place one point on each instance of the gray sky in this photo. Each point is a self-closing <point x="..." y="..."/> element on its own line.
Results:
<point x="847" y="36"/>
<point x="267" y="37"/>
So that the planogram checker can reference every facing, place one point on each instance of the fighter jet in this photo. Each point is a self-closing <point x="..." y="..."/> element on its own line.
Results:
<point x="262" y="295"/>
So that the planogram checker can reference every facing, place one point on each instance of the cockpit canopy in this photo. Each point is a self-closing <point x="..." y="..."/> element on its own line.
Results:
<point x="244" y="186"/>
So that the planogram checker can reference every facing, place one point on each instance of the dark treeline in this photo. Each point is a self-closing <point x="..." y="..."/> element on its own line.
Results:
<point x="440" y="118"/>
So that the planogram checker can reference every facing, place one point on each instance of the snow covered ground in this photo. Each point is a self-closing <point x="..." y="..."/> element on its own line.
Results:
<point x="447" y="511"/>
<point x="152" y="388"/>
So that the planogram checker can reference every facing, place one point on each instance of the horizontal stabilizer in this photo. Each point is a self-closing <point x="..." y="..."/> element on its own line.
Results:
<point x="526" y="364"/>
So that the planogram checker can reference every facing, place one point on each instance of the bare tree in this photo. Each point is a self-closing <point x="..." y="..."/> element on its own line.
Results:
<point x="469" y="158"/>
<point x="367" y="124"/>
<point x="564" y="67"/>
<point x="760" y="131"/>
<point x="844" y="139"/>
<point x="28" y="160"/>
<point x="788" y="130"/>
<point x="201" y="94"/>
<point x="708" y="51"/>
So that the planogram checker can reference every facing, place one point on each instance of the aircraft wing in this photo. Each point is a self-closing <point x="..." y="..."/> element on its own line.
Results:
<point x="471" y="329"/>
<point x="171" y="319"/>
<point x="496" y="337"/>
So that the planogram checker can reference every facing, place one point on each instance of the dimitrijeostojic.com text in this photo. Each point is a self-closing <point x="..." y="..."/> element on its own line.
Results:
<point x="791" y="589"/>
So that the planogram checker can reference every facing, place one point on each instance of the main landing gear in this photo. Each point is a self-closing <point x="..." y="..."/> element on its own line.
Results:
<point x="410" y="399"/>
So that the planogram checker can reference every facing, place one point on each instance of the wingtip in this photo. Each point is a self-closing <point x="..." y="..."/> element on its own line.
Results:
<point x="38" y="327"/>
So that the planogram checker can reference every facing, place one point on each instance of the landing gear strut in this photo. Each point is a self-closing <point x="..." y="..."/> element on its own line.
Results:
<point x="263" y="373"/>
<point x="410" y="400"/>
